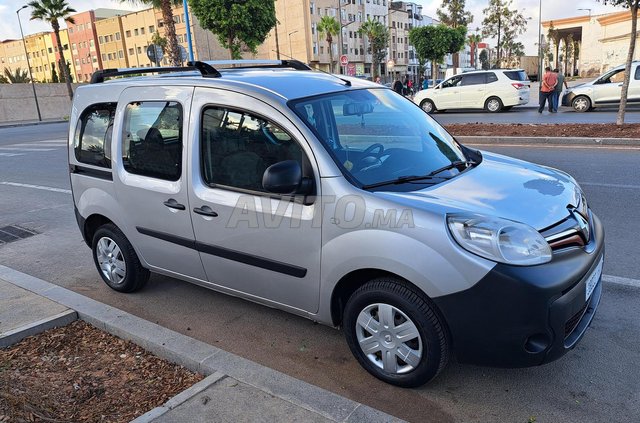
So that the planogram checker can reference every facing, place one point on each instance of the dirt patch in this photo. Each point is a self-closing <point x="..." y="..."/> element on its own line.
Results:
<point x="78" y="373"/>
<point x="589" y="130"/>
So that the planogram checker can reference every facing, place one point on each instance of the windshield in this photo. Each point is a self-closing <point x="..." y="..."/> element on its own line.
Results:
<point x="375" y="136"/>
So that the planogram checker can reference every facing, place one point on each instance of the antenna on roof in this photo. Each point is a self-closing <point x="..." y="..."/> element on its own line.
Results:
<point x="346" y="81"/>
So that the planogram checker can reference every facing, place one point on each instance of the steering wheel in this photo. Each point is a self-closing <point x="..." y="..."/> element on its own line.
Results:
<point x="370" y="159"/>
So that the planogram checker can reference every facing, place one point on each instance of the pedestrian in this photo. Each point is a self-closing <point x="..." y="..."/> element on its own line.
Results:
<point x="547" y="87"/>
<point x="425" y="84"/>
<point x="410" y="87"/>
<point x="378" y="81"/>
<point x="397" y="86"/>
<point x="557" y="93"/>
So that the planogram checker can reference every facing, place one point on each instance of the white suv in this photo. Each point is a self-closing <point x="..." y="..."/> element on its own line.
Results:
<point x="338" y="200"/>
<point x="492" y="90"/>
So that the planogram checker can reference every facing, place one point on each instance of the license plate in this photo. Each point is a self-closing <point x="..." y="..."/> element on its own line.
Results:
<point x="593" y="279"/>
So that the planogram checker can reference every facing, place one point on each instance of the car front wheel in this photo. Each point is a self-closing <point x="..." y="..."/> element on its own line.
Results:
<point x="428" y="106"/>
<point x="581" y="104"/>
<point x="395" y="333"/>
<point x="117" y="261"/>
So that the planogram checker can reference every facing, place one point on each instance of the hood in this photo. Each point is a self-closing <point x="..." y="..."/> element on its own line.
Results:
<point x="503" y="187"/>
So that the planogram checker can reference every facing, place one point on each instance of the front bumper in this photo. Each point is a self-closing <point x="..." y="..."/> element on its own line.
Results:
<point x="526" y="316"/>
<point x="567" y="98"/>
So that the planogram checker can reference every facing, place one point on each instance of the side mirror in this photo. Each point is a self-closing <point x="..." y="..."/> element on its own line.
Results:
<point x="283" y="177"/>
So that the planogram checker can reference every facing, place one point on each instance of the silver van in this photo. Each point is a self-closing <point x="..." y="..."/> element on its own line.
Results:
<point x="338" y="200"/>
<point x="604" y="91"/>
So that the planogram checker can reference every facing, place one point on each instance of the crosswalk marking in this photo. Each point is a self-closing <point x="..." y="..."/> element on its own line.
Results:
<point x="11" y="154"/>
<point x="16" y="184"/>
<point x="19" y="149"/>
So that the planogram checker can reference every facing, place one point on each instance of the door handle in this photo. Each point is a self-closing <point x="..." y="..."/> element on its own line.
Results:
<point x="205" y="211"/>
<point x="173" y="204"/>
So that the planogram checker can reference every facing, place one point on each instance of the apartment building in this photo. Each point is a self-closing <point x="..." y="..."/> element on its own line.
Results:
<point x="39" y="58"/>
<point x="111" y="42"/>
<point x="83" y="38"/>
<point x="12" y="55"/>
<point x="399" y="26"/>
<point x="55" y="55"/>
<point x="139" y="29"/>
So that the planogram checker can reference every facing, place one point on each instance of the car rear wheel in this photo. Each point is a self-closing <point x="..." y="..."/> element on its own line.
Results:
<point x="117" y="261"/>
<point x="428" y="106"/>
<point x="581" y="104"/>
<point x="395" y="333"/>
<point x="493" y="105"/>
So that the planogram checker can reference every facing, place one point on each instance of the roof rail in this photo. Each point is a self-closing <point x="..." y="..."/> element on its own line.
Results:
<point x="258" y="63"/>
<point x="205" y="70"/>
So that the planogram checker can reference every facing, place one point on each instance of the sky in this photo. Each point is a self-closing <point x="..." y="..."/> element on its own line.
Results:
<point x="551" y="9"/>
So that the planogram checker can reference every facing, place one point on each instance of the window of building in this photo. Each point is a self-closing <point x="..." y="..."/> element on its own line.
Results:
<point x="131" y="51"/>
<point x="160" y="24"/>
<point x="91" y="43"/>
<point x="176" y="18"/>
<point x="117" y="36"/>
<point x="312" y="8"/>
<point x="73" y="47"/>
<point x="315" y="48"/>
<point x="139" y="50"/>
<point x="121" y="54"/>
<point x="70" y="30"/>
<point x="152" y="29"/>
<point x="92" y="140"/>
<point x="136" y="32"/>
<point x="237" y="147"/>
<point x="152" y="145"/>
<point x="141" y="31"/>
<point x="104" y="57"/>
<point x="127" y="33"/>
<point x="50" y="50"/>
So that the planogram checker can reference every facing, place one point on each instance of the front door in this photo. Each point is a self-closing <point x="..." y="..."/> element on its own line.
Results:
<point x="150" y="181"/>
<point x="448" y="95"/>
<point x="472" y="91"/>
<point x="264" y="246"/>
<point x="608" y="89"/>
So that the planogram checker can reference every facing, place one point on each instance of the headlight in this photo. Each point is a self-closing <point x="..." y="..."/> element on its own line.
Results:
<point x="499" y="239"/>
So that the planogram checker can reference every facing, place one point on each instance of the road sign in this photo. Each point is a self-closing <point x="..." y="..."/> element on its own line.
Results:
<point x="183" y="53"/>
<point x="155" y="53"/>
<point x="344" y="60"/>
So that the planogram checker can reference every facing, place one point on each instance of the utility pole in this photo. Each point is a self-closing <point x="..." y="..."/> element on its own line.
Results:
<point x="26" y="53"/>
<point x="340" y="33"/>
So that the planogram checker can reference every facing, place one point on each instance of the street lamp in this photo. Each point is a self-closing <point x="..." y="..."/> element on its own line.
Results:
<point x="24" y="44"/>
<point x="540" y="44"/>
<point x="185" y="6"/>
<point x="290" y="51"/>
<point x="588" y="10"/>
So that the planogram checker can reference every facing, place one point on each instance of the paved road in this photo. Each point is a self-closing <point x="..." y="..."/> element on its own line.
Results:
<point x="598" y="381"/>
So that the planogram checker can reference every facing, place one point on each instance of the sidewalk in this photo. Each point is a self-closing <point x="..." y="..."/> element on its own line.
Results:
<point x="30" y="122"/>
<point x="235" y="389"/>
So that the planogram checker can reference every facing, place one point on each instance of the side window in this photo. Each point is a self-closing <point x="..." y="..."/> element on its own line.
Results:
<point x="152" y="141"/>
<point x="637" y="74"/>
<point x="491" y="77"/>
<point x="237" y="147"/>
<point x="453" y="82"/>
<point x="473" y="79"/>
<point x="92" y="141"/>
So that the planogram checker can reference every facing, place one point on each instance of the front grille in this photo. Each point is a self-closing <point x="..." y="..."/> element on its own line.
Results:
<point x="572" y="323"/>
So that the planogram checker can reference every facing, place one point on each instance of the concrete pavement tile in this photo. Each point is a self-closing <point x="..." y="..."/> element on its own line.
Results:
<point x="24" y="281"/>
<point x="230" y="400"/>
<point x="323" y="402"/>
<point x="18" y="334"/>
<point x="20" y="307"/>
<point x="370" y="415"/>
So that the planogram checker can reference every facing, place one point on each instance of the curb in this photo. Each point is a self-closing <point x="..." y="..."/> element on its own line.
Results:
<point x="571" y="141"/>
<point x="199" y="356"/>
<point x="16" y="335"/>
<point x="34" y="123"/>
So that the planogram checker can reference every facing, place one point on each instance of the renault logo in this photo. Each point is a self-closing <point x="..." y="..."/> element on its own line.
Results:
<point x="583" y="224"/>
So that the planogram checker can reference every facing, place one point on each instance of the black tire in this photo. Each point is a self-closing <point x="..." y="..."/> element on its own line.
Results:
<point x="406" y="304"/>
<point x="428" y="106"/>
<point x="489" y="105"/>
<point x="507" y="108"/>
<point x="581" y="104"/>
<point x="135" y="276"/>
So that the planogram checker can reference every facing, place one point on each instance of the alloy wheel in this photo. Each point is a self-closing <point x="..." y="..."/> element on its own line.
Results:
<point x="111" y="260"/>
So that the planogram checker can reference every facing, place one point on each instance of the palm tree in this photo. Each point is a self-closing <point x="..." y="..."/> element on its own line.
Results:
<point x="329" y="26"/>
<point x="474" y="39"/>
<point x="377" y="36"/>
<point x="169" y="25"/>
<point x="18" y="76"/>
<point x="52" y="11"/>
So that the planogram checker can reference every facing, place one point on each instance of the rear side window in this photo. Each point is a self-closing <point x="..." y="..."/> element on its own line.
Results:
<point x="519" y="75"/>
<point x="637" y="75"/>
<point x="473" y="79"/>
<point x="491" y="77"/>
<point x="92" y="141"/>
<point x="152" y="141"/>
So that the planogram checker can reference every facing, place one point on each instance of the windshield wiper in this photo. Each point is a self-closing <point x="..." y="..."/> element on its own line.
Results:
<point x="405" y="179"/>
<point x="453" y="165"/>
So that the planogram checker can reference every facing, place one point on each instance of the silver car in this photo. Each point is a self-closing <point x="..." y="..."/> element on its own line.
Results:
<point x="338" y="200"/>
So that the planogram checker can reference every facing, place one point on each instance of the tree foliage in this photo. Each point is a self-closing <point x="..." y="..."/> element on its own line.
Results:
<point x="238" y="24"/>
<point x="52" y="11"/>
<point x="18" y="76"/>
<point x="434" y="42"/>
<point x="632" y="5"/>
<point x="329" y="26"/>
<point x="453" y="13"/>
<point x="378" y="37"/>
<point x="503" y="22"/>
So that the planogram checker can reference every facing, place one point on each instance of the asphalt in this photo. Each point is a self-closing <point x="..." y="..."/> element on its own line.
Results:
<point x="235" y="389"/>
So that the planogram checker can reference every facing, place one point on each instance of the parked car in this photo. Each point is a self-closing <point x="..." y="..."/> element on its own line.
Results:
<point x="604" y="91"/>
<point x="494" y="90"/>
<point x="338" y="200"/>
